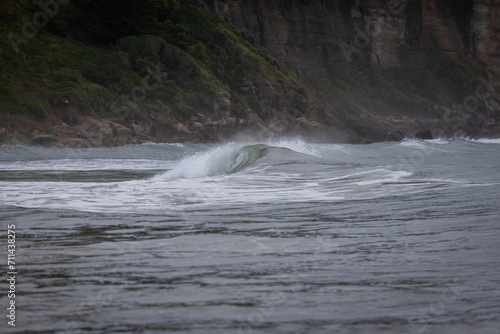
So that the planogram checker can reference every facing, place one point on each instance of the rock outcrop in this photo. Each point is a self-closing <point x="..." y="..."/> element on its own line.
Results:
<point x="318" y="40"/>
<point x="307" y="34"/>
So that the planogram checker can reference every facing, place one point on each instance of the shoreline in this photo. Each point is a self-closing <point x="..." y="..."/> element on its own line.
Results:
<point x="124" y="138"/>
<point x="66" y="127"/>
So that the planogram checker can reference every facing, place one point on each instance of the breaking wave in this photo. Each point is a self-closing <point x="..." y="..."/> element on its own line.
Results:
<point x="233" y="157"/>
<point x="485" y="140"/>
<point x="225" y="159"/>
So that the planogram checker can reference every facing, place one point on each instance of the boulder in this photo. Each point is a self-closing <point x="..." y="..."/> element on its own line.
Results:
<point x="246" y="87"/>
<point x="43" y="140"/>
<point x="121" y="130"/>
<point x="69" y="113"/>
<point x="222" y="104"/>
<point x="170" y="132"/>
<point x="424" y="134"/>
<point x="396" y="136"/>
<point x="3" y="135"/>
<point x="96" y="130"/>
<point x="198" y="126"/>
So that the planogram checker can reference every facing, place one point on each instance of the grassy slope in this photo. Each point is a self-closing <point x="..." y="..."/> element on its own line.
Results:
<point x="98" y="58"/>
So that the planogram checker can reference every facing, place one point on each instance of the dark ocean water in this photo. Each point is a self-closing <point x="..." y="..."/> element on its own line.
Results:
<point x="276" y="237"/>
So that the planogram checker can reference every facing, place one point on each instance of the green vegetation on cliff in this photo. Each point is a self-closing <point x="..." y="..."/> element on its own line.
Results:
<point x="122" y="58"/>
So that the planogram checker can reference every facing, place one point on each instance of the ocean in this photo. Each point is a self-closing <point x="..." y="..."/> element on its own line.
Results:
<point x="266" y="237"/>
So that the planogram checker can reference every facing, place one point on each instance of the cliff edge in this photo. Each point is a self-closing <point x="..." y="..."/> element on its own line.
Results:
<point x="101" y="74"/>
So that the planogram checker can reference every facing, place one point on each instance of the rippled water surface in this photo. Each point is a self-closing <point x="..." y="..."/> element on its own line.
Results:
<point x="275" y="237"/>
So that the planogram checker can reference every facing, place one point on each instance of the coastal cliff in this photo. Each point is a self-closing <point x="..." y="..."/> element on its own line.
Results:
<point x="385" y="68"/>
<point x="332" y="71"/>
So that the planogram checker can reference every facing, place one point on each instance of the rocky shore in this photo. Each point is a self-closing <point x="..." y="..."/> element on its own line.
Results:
<point x="69" y="128"/>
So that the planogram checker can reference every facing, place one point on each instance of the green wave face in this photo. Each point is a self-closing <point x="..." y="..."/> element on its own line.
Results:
<point x="246" y="156"/>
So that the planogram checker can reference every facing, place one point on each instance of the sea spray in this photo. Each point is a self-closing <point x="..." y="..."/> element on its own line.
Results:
<point x="225" y="159"/>
<point x="232" y="157"/>
<point x="297" y="145"/>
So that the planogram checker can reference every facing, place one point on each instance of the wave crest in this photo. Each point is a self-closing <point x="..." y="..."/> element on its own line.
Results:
<point x="225" y="159"/>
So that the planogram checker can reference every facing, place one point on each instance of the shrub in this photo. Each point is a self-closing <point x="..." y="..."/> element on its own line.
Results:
<point x="32" y="108"/>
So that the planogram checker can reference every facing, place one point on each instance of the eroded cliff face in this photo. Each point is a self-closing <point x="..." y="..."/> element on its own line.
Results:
<point x="301" y="34"/>
<point x="320" y="41"/>
<point x="307" y="34"/>
<point x="485" y="33"/>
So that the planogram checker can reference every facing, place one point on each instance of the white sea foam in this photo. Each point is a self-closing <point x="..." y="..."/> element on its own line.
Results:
<point x="209" y="163"/>
<point x="415" y="143"/>
<point x="381" y="176"/>
<point x="485" y="140"/>
<point x="209" y="179"/>
<point x="85" y="165"/>
<point x="164" y="144"/>
<point x="424" y="145"/>
<point x="222" y="159"/>
<point x="439" y="141"/>
<point x="297" y="145"/>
